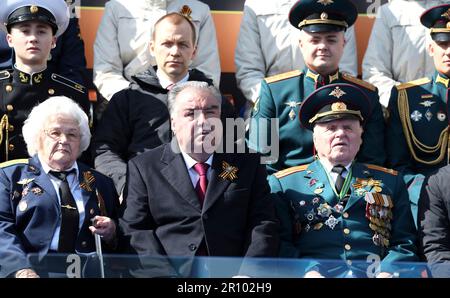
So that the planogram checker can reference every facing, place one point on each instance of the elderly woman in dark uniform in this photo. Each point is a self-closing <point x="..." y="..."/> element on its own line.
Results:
<point x="50" y="202"/>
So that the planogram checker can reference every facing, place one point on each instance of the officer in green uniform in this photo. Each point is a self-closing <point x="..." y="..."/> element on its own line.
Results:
<point x="335" y="207"/>
<point x="417" y="130"/>
<point x="322" y="24"/>
<point x="31" y="27"/>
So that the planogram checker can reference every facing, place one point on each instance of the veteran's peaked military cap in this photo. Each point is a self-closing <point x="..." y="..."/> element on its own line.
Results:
<point x="437" y="19"/>
<point x="323" y="15"/>
<point x="53" y="12"/>
<point x="333" y="102"/>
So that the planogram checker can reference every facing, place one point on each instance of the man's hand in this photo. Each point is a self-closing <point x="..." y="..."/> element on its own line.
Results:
<point x="26" y="273"/>
<point x="105" y="227"/>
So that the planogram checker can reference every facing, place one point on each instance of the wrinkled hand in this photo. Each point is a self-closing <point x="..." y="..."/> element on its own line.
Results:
<point x="26" y="273"/>
<point x="105" y="227"/>
<point x="384" y="275"/>
<point x="313" y="274"/>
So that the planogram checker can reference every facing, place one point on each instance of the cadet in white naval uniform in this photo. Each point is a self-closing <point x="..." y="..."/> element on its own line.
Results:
<point x="269" y="45"/>
<point x="397" y="46"/>
<point x="121" y="46"/>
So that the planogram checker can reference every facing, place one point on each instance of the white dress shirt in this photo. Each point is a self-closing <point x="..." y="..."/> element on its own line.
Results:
<point x="164" y="82"/>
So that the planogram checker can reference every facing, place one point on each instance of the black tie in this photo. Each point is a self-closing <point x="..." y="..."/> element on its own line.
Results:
<point x="69" y="215"/>
<point x="339" y="180"/>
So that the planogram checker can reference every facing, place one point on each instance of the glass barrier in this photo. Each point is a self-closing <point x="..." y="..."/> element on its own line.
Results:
<point x="128" y="266"/>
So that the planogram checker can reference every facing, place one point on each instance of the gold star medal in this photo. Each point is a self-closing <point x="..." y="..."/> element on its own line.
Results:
<point x="229" y="171"/>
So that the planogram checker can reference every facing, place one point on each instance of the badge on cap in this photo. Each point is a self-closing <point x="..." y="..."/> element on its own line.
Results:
<point x="338" y="106"/>
<point x="325" y="2"/>
<point x="323" y="16"/>
<point x="34" y="9"/>
<point x="337" y="92"/>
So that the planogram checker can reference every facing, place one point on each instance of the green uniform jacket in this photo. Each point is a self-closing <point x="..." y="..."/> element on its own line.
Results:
<point x="422" y="104"/>
<point x="314" y="225"/>
<point x="281" y="97"/>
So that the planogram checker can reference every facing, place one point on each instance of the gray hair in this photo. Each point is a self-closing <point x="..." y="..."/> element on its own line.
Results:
<point x="57" y="105"/>
<point x="178" y="88"/>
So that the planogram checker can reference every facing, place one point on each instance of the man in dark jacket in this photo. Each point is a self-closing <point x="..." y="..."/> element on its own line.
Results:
<point x="137" y="118"/>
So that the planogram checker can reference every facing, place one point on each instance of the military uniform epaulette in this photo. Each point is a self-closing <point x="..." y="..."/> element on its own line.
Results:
<point x="13" y="162"/>
<point x="4" y="74"/>
<point x="69" y="83"/>
<point x="283" y="76"/>
<point x="359" y="82"/>
<point x="418" y="82"/>
<point x="291" y="170"/>
<point x="382" y="169"/>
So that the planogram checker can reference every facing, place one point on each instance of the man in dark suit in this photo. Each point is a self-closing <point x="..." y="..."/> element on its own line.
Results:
<point x="185" y="199"/>
<point x="51" y="203"/>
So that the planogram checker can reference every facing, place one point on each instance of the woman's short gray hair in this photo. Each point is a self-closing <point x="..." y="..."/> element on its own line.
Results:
<point x="57" y="105"/>
<point x="173" y="93"/>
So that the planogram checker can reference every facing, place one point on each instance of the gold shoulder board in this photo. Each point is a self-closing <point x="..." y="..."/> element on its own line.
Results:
<point x="283" y="76"/>
<point x="413" y="83"/>
<point x="382" y="169"/>
<point x="13" y="162"/>
<point x="4" y="75"/>
<point x="359" y="82"/>
<point x="291" y="170"/>
<point x="69" y="83"/>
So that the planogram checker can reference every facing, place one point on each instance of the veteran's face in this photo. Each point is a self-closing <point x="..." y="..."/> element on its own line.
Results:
<point x="338" y="141"/>
<point x="322" y="51"/>
<point x="173" y="48"/>
<point x="440" y="51"/>
<point x="32" y="42"/>
<point x="59" y="142"/>
<point x="196" y="123"/>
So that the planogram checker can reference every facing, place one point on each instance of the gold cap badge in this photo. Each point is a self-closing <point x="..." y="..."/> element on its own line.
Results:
<point x="34" y="9"/>
<point x="338" y="106"/>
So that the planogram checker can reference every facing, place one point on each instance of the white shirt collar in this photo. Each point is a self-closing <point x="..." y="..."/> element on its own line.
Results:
<point x="328" y="166"/>
<point x="46" y="168"/>
<point x="164" y="82"/>
<point x="190" y="162"/>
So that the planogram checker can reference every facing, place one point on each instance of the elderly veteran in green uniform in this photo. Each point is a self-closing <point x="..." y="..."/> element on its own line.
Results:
<point x="322" y="24"/>
<point x="32" y="27"/>
<point x="335" y="207"/>
<point x="417" y="131"/>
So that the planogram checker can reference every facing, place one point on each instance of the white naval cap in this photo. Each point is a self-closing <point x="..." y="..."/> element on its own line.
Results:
<point x="53" y="12"/>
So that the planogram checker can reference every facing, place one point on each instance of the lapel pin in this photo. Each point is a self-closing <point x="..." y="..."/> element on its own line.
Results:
<point x="229" y="171"/>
